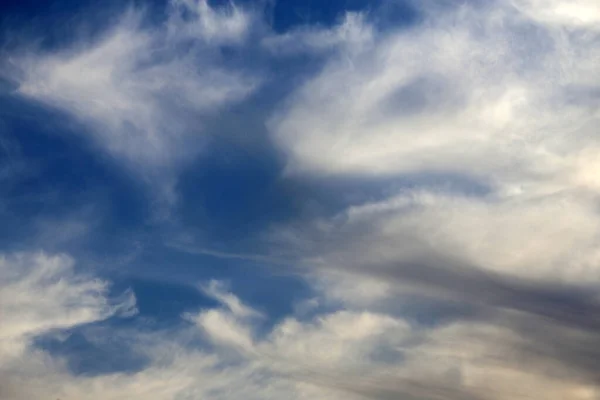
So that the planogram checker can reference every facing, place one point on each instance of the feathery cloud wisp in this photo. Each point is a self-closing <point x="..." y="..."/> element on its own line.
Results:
<point x="142" y="91"/>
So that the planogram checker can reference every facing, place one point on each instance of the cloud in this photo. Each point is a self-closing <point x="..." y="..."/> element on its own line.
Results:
<point x="141" y="90"/>
<point x="374" y="355"/>
<point x="478" y="93"/>
<point x="497" y="95"/>
<point x="226" y="25"/>
<point x="500" y="95"/>
<point x="40" y="293"/>
<point x="335" y="355"/>
<point x="352" y="34"/>
<point x="573" y="14"/>
<point x="176" y="368"/>
<point x="545" y="238"/>
<point x="474" y="90"/>
<point x="218" y="291"/>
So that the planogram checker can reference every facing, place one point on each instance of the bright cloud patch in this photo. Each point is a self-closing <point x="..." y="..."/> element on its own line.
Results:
<point x="481" y="91"/>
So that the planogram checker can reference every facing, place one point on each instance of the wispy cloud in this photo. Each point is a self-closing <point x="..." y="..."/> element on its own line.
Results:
<point x="142" y="91"/>
<point x="40" y="293"/>
<point x="501" y="95"/>
<point x="477" y="90"/>
<point x="336" y="355"/>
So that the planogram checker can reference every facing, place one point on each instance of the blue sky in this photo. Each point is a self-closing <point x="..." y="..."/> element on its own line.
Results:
<point x="299" y="199"/>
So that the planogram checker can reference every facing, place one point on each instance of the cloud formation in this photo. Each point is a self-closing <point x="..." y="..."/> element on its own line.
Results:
<point x="495" y="98"/>
<point x="488" y="94"/>
<point x="142" y="91"/>
<point x="480" y="90"/>
<point x="490" y="110"/>
<point x="348" y="353"/>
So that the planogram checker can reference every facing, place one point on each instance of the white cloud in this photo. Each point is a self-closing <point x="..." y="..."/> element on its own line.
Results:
<point x="143" y="91"/>
<point x="218" y="291"/>
<point x="336" y="355"/>
<point x="361" y="353"/>
<point x="337" y="286"/>
<point x="572" y="14"/>
<point x="339" y="340"/>
<point x="499" y="94"/>
<point x="479" y="91"/>
<point x="351" y="35"/>
<point x="552" y="237"/>
<point x="40" y="292"/>
<point x="493" y="93"/>
<point x="502" y="94"/>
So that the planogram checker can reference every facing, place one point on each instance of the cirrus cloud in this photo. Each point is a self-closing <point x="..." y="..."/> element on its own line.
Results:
<point x="499" y="99"/>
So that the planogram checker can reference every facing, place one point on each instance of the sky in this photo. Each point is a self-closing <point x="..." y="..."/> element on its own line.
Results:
<point x="287" y="199"/>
